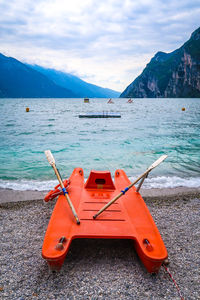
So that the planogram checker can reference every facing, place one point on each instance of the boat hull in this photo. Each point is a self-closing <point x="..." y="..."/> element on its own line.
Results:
<point x="127" y="218"/>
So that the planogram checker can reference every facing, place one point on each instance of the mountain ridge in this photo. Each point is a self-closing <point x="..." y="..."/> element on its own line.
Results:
<point x="20" y="80"/>
<point x="80" y="87"/>
<point x="173" y="75"/>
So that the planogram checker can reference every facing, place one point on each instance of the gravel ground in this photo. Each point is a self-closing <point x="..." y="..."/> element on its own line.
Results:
<point x="98" y="269"/>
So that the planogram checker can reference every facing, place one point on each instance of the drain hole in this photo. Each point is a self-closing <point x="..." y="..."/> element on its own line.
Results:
<point x="100" y="181"/>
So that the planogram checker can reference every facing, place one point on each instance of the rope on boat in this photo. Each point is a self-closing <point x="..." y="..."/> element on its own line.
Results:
<point x="174" y="281"/>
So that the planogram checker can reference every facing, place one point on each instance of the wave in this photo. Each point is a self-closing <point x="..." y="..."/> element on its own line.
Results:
<point x="155" y="182"/>
<point x="28" y="185"/>
<point x="160" y="182"/>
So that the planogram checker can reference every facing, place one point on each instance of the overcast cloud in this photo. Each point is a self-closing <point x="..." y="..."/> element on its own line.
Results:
<point x="105" y="42"/>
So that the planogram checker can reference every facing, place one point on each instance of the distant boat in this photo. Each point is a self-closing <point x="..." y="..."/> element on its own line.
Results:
<point x="110" y="101"/>
<point x="130" y="101"/>
<point x="86" y="100"/>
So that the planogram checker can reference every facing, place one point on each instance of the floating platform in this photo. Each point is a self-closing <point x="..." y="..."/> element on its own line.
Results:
<point x="104" y="114"/>
<point x="127" y="218"/>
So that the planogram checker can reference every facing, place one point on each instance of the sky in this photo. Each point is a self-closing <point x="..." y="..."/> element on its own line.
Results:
<point x="105" y="42"/>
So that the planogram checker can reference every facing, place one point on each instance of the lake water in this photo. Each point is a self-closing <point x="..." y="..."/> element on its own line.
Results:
<point x="147" y="129"/>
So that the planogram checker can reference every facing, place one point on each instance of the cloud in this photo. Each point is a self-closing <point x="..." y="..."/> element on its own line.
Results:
<point x="109" y="42"/>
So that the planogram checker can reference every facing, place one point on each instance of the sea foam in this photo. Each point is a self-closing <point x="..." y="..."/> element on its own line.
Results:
<point x="160" y="182"/>
<point x="154" y="182"/>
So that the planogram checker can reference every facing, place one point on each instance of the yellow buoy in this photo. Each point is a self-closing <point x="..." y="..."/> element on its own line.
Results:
<point x="183" y="108"/>
<point x="27" y="109"/>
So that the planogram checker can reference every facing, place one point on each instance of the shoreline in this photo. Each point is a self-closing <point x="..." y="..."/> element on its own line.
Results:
<point x="9" y="195"/>
<point x="98" y="268"/>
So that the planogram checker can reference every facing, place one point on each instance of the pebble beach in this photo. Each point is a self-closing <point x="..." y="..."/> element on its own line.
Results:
<point x="98" y="269"/>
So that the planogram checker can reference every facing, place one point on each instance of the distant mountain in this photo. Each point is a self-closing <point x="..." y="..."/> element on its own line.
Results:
<point x="175" y="74"/>
<point x="75" y="84"/>
<point x="17" y="80"/>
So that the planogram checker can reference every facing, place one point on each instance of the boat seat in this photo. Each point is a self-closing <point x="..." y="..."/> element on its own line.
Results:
<point x="100" y="180"/>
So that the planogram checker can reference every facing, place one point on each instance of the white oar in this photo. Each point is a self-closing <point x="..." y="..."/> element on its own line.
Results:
<point x="144" y="175"/>
<point x="51" y="160"/>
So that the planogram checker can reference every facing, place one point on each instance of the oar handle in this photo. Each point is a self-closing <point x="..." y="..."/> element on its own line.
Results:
<point x="141" y="182"/>
<point x="117" y="197"/>
<point x="65" y="193"/>
<point x="154" y="165"/>
<point x="107" y="205"/>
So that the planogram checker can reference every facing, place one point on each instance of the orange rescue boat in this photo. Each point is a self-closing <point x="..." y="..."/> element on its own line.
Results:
<point x="127" y="218"/>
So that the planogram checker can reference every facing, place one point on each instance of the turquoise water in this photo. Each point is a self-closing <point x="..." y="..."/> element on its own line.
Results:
<point x="147" y="129"/>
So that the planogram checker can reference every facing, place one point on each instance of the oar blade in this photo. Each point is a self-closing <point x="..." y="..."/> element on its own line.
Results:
<point x="157" y="162"/>
<point x="50" y="157"/>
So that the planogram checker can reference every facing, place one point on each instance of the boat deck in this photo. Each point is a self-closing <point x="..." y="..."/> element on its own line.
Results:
<point x="127" y="218"/>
